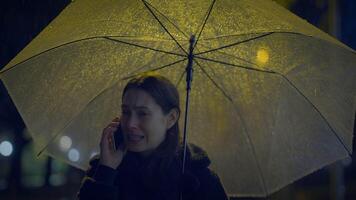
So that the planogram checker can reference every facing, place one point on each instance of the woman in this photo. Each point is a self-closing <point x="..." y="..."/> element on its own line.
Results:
<point x="148" y="164"/>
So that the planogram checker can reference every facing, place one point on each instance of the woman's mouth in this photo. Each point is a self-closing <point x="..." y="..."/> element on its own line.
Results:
<point x="135" y="138"/>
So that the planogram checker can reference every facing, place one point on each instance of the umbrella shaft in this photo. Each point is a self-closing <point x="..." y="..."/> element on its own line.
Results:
<point x="189" y="70"/>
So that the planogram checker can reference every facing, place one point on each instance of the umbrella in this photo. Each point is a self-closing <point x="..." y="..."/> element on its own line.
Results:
<point x="272" y="98"/>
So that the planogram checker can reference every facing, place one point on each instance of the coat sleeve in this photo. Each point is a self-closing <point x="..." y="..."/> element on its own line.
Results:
<point x="210" y="186"/>
<point x="98" y="183"/>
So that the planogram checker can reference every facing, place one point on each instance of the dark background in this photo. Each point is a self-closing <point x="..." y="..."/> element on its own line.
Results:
<point x="24" y="176"/>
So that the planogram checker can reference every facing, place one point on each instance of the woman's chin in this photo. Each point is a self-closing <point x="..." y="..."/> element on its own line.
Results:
<point x="136" y="148"/>
<point x="141" y="150"/>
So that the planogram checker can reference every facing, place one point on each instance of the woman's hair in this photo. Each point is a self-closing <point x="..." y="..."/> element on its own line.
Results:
<point x="166" y="96"/>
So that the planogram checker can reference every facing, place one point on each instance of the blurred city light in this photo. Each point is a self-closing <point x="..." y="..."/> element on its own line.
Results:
<point x="6" y="148"/>
<point x="73" y="155"/>
<point x="65" y="143"/>
<point x="57" y="179"/>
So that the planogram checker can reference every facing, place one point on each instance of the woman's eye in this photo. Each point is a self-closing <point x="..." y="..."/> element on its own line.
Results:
<point x="142" y="113"/>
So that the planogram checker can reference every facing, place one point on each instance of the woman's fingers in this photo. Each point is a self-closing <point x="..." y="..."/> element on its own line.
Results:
<point x="109" y="156"/>
<point x="116" y="119"/>
<point x="108" y="132"/>
<point x="114" y="124"/>
<point x="106" y="135"/>
<point x="110" y="129"/>
<point x="111" y="141"/>
<point x="107" y="141"/>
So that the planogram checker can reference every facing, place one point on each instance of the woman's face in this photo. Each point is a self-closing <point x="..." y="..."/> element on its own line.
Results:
<point x="143" y="121"/>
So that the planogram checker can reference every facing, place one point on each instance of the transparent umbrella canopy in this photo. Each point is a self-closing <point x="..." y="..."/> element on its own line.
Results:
<point x="272" y="97"/>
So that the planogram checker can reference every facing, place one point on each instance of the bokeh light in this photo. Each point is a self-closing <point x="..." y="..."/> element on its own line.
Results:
<point x="73" y="155"/>
<point x="65" y="143"/>
<point x="262" y="56"/>
<point x="6" y="148"/>
<point x="57" y="179"/>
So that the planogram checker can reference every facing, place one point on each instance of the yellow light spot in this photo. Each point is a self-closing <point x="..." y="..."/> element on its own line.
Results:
<point x="262" y="56"/>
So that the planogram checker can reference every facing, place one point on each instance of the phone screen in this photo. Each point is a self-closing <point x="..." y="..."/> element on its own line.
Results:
<point x="118" y="138"/>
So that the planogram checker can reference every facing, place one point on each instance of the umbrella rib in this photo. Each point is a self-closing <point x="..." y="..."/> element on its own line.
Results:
<point x="168" y="20"/>
<point x="204" y="22"/>
<point x="149" y="48"/>
<point x="247" y="135"/>
<point x="232" y="35"/>
<point x="159" y="21"/>
<point x="234" y="65"/>
<point x="273" y="72"/>
<point x="278" y="32"/>
<point x="212" y="80"/>
<point x="180" y="78"/>
<point x="251" y="33"/>
<point x="249" y="62"/>
<point x="149" y="63"/>
<point x="93" y="99"/>
<point x="235" y="43"/>
<point x="275" y="31"/>
<point x="72" y="42"/>
<point x="155" y="69"/>
<point x="317" y="110"/>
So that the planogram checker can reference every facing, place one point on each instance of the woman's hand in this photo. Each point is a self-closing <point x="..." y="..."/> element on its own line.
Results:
<point x="108" y="155"/>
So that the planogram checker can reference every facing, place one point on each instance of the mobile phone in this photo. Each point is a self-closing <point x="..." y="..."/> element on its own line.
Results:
<point x="118" y="138"/>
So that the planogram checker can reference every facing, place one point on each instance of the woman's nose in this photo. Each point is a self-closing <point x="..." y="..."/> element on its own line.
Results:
<point x="132" y="122"/>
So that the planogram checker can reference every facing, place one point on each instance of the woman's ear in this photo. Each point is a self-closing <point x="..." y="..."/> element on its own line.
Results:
<point x="172" y="117"/>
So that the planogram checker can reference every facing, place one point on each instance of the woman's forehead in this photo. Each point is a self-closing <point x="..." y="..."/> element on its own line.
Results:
<point x="138" y="99"/>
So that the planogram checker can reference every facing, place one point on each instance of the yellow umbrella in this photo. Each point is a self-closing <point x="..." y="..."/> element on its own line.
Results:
<point x="272" y="97"/>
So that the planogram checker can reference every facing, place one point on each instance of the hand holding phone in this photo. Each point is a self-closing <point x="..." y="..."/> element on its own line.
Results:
<point x="112" y="145"/>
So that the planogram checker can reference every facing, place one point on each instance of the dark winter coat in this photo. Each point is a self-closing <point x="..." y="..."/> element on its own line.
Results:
<point x="128" y="183"/>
